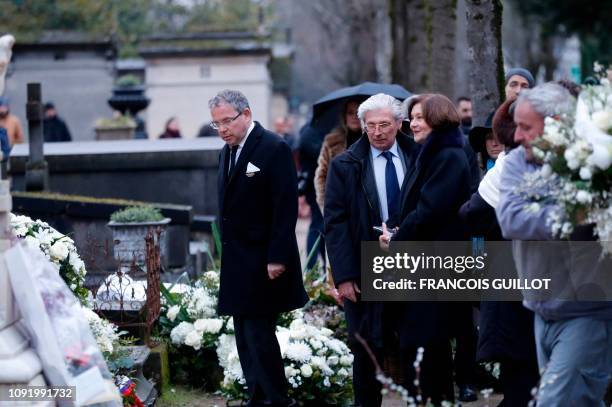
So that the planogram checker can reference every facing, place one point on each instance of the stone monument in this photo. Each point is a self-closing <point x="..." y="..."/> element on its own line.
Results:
<point x="19" y="363"/>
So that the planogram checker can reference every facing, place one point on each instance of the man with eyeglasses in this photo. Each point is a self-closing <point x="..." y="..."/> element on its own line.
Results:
<point x="363" y="190"/>
<point x="260" y="264"/>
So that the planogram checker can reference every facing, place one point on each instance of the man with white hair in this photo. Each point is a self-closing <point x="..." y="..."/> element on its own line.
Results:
<point x="573" y="338"/>
<point x="363" y="191"/>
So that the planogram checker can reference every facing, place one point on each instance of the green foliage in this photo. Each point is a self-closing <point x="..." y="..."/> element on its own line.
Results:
<point x="134" y="214"/>
<point x="590" y="20"/>
<point x="115" y="122"/>
<point x="126" y="21"/>
<point x="127" y="81"/>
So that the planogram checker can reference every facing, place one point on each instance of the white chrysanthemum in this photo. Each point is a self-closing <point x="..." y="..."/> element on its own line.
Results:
<point x="298" y="351"/>
<point x="180" y="332"/>
<point x="173" y="311"/>
<point x="337" y="346"/>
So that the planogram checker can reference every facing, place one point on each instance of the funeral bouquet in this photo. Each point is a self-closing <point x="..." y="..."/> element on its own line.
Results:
<point x="56" y="247"/>
<point x="318" y="367"/>
<point x="576" y="175"/>
<point x="191" y="317"/>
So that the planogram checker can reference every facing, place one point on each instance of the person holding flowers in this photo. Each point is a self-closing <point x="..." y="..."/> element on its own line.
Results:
<point x="573" y="338"/>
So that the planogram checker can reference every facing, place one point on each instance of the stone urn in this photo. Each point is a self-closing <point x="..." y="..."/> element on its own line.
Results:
<point x="129" y="242"/>
<point x="130" y="100"/>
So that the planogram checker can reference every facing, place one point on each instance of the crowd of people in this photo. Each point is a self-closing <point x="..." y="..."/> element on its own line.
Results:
<point x="440" y="179"/>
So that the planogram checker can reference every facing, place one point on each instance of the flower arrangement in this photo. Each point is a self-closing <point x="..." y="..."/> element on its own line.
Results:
<point x="58" y="248"/>
<point x="127" y="387"/>
<point x="318" y="367"/>
<point x="137" y="214"/>
<point x="576" y="175"/>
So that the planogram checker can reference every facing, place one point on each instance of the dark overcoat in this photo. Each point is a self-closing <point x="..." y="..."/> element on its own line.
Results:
<point x="258" y="214"/>
<point x="439" y="183"/>
<point x="352" y="208"/>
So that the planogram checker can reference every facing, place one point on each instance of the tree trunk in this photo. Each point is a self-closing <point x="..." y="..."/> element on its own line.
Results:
<point x="409" y="35"/>
<point x="486" y="65"/>
<point x="423" y="33"/>
<point x="442" y="50"/>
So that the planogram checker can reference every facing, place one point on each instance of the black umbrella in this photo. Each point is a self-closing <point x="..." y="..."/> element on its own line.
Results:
<point x="326" y="111"/>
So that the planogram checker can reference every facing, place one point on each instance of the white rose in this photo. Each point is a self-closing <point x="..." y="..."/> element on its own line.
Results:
<point x="343" y="372"/>
<point x="173" y="312"/>
<point x="59" y="250"/>
<point x="603" y="120"/>
<point x="306" y="370"/>
<point x="194" y="339"/>
<point x="585" y="173"/>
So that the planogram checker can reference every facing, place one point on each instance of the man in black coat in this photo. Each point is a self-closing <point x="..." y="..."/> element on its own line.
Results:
<point x="361" y="192"/>
<point x="54" y="127"/>
<point x="260" y="264"/>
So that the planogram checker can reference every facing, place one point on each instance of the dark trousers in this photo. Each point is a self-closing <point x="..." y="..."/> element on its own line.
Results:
<point x="315" y="230"/>
<point x="261" y="360"/>
<point x="466" y="338"/>
<point x="435" y="376"/>
<point x="517" y="379"/>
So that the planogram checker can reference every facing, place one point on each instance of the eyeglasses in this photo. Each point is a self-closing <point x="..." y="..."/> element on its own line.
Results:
<point x="224" y="123"/>
<point x="384" y="126"/>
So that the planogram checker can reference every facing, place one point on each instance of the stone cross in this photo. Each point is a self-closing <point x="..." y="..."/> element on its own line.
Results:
<point x="37" y="171"/>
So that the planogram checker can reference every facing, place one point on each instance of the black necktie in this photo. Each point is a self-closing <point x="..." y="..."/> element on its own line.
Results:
<point x="232" y="160"/>
<point x="392" y="185"/>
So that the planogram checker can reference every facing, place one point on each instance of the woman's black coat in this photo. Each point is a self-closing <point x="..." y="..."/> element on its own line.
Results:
<point x="437" y="186"/>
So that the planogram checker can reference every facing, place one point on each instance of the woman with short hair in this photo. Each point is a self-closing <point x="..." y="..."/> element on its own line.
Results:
<point x="437" y="185"/>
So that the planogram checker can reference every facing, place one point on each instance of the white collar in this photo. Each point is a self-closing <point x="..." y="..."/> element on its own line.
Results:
<point x="249" y="130"/>
<point x="376" y="152"/>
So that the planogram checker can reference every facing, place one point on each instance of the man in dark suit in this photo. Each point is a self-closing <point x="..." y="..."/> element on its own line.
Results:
<point x="260" y="264"/>
<point x="363" y="190"/>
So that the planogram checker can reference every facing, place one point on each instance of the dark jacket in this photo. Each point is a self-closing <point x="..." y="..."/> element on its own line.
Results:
<point x="258" y="214"/>
<point x="352" y="207"/>
<point x="437" y="187"/>
<point x="479" y="219"/>
<point x="499" y="320"/>
<point x="55" y="129"/>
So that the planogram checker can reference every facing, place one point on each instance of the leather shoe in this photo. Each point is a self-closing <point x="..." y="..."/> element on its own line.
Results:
<point x="467" y="393"/>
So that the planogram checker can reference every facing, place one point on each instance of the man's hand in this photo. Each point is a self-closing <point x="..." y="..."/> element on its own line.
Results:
<point x="275" y="270"/>
<point x="349" y="290"/>
<point x="385" y="238"/>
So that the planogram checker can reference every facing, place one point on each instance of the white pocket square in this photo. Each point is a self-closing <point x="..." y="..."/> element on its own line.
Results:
<point x="251" y="168"/>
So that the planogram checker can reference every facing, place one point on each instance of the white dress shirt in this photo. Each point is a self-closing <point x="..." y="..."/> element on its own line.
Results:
<point x="244" y="139"/>
<point x="380" y="164"/>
